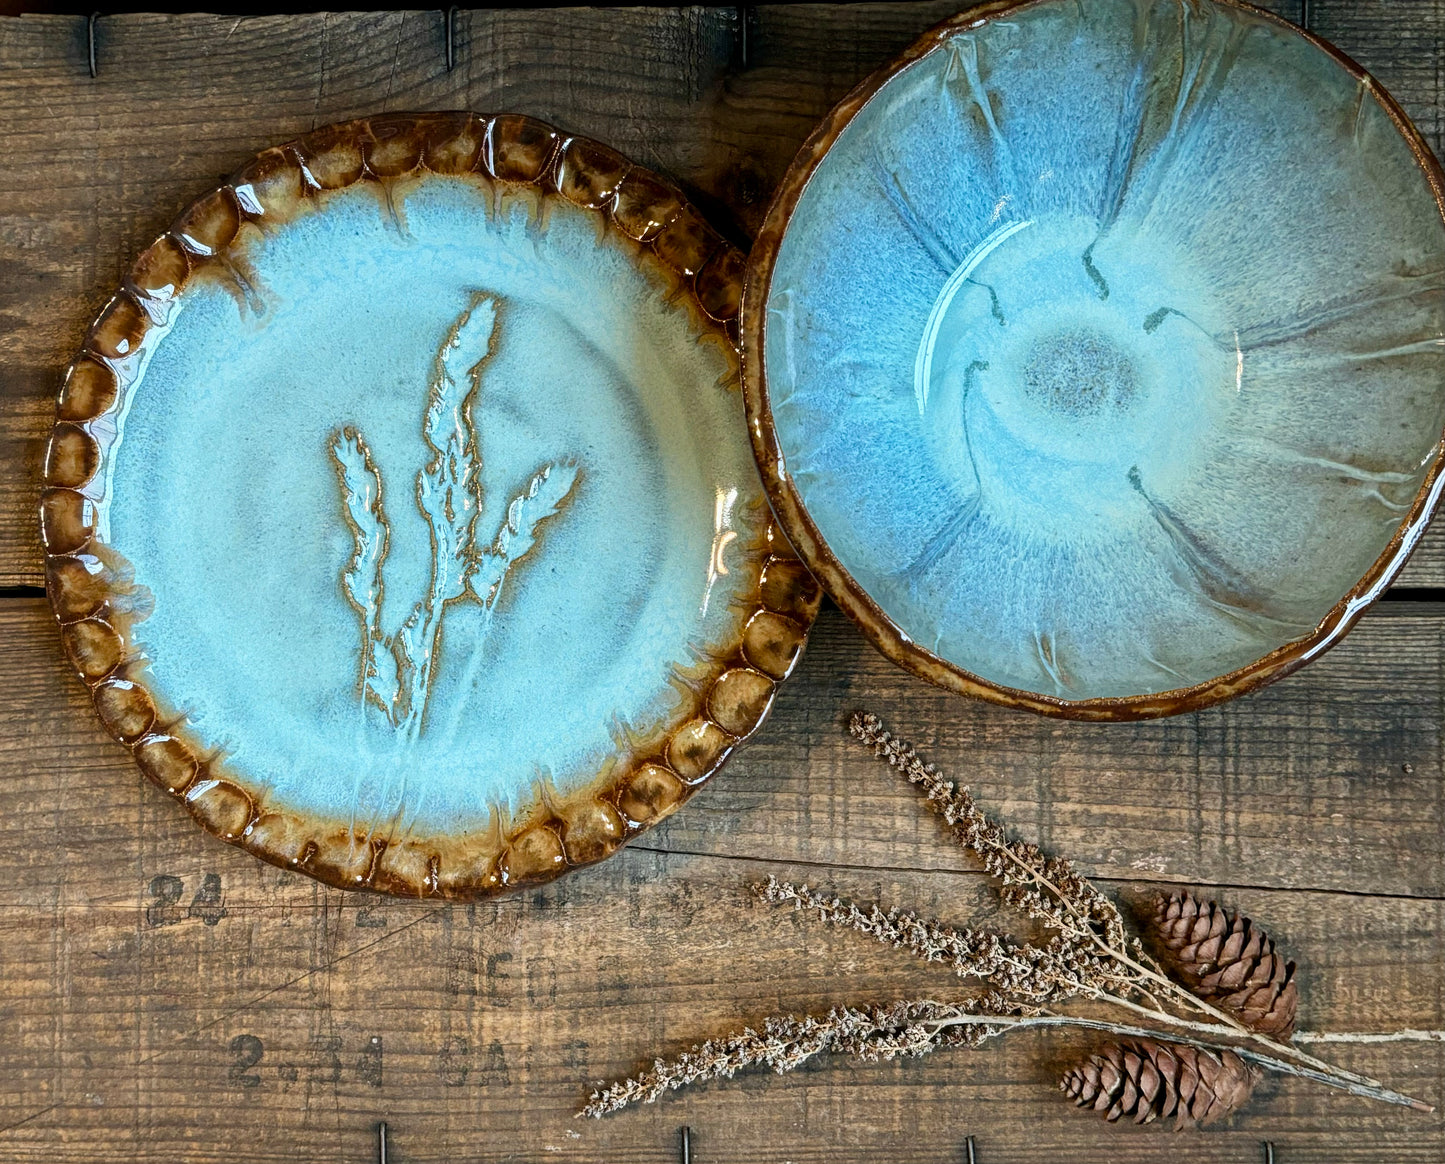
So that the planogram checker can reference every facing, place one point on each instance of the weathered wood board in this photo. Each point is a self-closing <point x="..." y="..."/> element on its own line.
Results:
<point x="164" y="997"/>
<point x="95" y="169"/>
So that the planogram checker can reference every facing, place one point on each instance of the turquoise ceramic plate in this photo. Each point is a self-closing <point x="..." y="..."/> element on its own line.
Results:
<point x="400" y="513"/>
<point x="1094" y="352"/>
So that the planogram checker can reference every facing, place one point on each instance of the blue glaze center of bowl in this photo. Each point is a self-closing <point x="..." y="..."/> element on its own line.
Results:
<point x="1104" y="345"/>
<point x="1043" y="387"/>
<point x="1079" y="373"/>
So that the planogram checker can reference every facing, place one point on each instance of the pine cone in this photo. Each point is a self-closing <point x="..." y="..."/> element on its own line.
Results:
<point x="1146" y="1080"/>
<point x="1229" y="962"/>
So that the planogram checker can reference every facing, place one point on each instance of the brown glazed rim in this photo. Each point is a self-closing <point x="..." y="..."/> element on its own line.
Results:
<point x="886" y="635"/>
<point x="727" y="694"/>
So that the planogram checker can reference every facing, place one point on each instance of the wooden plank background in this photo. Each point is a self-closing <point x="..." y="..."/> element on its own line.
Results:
<point x="164" y="997"/>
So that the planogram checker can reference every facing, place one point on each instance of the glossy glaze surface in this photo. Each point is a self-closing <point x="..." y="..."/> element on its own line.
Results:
<point x="224" y="497"/>
<point x="424" y="509"/>
<point x="1103" y="345"/>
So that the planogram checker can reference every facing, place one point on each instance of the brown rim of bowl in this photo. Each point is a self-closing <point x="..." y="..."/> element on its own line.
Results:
<point x="729" y="692"/>
<point x="881" y="630"/>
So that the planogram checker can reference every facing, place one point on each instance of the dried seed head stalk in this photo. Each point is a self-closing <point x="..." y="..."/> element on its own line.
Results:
<point x="1030" y="974"/>
<point x="903" y="1029"/>
<point x="1193" y="1069"/>
<point x="1047" y="888"/>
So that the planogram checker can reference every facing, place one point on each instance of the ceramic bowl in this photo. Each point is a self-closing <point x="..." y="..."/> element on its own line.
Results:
<point x="1093" y="352"/>
<point x="400" y="514"/>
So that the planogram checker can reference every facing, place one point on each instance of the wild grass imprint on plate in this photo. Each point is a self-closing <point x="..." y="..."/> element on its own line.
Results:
<point x="396" y="669"/>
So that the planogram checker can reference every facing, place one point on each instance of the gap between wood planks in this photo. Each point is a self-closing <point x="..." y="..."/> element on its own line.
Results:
<point x="364" y="900"/>
<point x="1112" y="879"/>
<point x="1424" y="596"/>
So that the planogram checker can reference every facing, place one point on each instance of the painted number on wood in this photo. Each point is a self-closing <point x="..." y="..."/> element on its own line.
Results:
<point x="166" y="890"/>
<point x="326" y="1066"/>
<point x="206" y="905"/>
<point x="368" y="1066"/>
<point x="456" y="1064"/>
<point x="247" y="1051"/>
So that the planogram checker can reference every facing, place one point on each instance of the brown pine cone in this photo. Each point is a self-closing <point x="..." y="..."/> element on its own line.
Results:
<point x="1228" y="961"/>
<point x="1146" y="1080"/>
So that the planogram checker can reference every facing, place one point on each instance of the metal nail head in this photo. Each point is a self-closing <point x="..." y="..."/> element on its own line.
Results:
<point x="450" y="17"/>
<point x="743" y="17"/>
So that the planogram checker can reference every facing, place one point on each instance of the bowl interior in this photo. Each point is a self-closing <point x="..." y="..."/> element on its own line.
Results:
<point x="1104" y="345"/>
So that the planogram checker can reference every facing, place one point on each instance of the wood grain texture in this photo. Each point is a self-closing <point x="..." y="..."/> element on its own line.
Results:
<point x="165" y="997"/>
<point x="133" y="992"/>
<point x="283" y="1031"/>
<point x="95" y="169"/>
<point x="1329" y="780"/>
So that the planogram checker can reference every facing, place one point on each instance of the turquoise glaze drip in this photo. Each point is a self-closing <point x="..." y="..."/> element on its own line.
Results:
<point x="1104" y="346"/>
<point x="430" y="415"/>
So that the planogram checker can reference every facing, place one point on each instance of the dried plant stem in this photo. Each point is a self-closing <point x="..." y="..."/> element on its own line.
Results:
<point x="1047" y="888"/>
<point x="1223" y="1039"/>
<point x="1406" y="1036"/>
<point x="903" y="1029"/>
<point x="916" y="1028"/>
<point x="1034" y="975"/>
<point x="1093" y="957"/>
<point x="1029" y="973"/>
<point x="1076" y="907"/>
<point x="1183" y="997"/>
<point x="1308" y="1066"/>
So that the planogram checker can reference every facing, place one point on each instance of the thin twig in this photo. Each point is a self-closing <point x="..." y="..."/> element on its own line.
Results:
<point x="1094" y="957"/>
<point x="1078" y="899"/>
<point x="1331" y="1077"/>
<point x="1405" y="1036"/>
<point x="1035" y="973"/>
